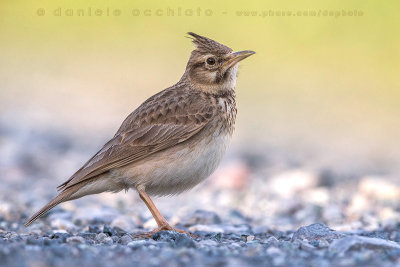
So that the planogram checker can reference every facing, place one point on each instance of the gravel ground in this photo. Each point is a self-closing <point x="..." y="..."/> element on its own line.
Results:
<point x="255" y="210"/>
<point x="234" y="245"/>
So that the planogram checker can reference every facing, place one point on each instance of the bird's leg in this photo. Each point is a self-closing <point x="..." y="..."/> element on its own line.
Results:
<point x="161" y="221"/>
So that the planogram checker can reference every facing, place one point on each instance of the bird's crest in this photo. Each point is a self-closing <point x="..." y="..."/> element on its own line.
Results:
<point x="206" y="45"/>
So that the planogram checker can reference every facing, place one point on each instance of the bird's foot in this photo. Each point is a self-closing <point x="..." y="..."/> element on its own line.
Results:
<point x="165" y="227"/>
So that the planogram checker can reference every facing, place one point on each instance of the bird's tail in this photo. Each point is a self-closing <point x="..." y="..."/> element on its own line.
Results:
<point x="62" y="197"/>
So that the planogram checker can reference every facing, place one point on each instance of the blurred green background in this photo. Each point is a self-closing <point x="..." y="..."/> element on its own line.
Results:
<point x="323" y="89"/>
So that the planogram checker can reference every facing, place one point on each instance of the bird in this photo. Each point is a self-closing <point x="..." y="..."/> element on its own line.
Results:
<point x="173" y="141"/>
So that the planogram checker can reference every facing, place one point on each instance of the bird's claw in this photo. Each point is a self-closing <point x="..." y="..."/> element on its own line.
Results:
<point x="165" y="227"/>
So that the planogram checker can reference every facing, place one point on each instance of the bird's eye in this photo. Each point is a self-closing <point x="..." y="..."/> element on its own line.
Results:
<point x="210" y="61"/>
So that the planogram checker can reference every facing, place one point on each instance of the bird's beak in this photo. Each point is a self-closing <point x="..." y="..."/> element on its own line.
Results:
<point x="236" y="57"/>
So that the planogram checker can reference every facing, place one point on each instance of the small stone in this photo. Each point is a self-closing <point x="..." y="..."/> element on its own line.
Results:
<point x="100" y="237"/>
<point x="175" y="239"/>
<point x="305" y="245"/>
<point x="76" y="240"/>
<point x="316" y="231"/>
<point x="62" y="237"/>
<point x="137" y="243"/>
<point x="120" y="231"/>
<point x="94" y="229"/>
<point x="125" y="239"/>
<point x="48" y="242"/>
<point x="14" y="237"/>
<point x="272" y="241"/>
<point x="91" y="236"/>
<point x="216" y="236"/>
<point x="249" y="238"/>
<point x="323" y="244"/>
<point x="357" y="242"/>
<point x="109" y="231"/>
<point x="36" y="241"/>
<point x="107" y="241"/>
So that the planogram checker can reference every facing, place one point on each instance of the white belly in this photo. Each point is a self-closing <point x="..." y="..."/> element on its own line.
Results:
<point x="176" y="169"/>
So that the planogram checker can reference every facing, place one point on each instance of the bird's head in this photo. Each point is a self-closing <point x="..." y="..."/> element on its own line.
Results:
<point x="212" y="66"/>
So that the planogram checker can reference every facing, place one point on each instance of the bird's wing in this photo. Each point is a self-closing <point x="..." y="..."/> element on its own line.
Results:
<point x="149" y="129"/>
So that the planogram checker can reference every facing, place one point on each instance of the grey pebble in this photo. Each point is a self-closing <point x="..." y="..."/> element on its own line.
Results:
<point x="109" y="231"/>
<point x="104" y="239"/>
<point x="317" y="231"/>
<point x="36" y="241"/>
<point x="272" y="241"/>
<point x="175" y="239"/>
<point x="101" y="237"/>
<point x="14" y="237"/>
<point x="76" y="240"/>
<point x="91" y="236"/>
<point x="125" y="239"/>
<point x="94" y="229"/>
<point x="61" y="237"/>
<point x="353" y="242"/>
<point x="107" y="241"/>
<point x="137" y="243"/>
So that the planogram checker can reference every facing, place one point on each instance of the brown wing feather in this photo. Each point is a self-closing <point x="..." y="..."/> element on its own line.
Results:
<point x="159" y="123"/>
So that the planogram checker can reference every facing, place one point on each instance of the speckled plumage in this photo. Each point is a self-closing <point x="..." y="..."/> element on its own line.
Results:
<point x="174" y="140"/>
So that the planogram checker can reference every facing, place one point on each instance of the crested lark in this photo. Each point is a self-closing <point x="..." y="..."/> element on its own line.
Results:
<point x="171" y="142"/>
